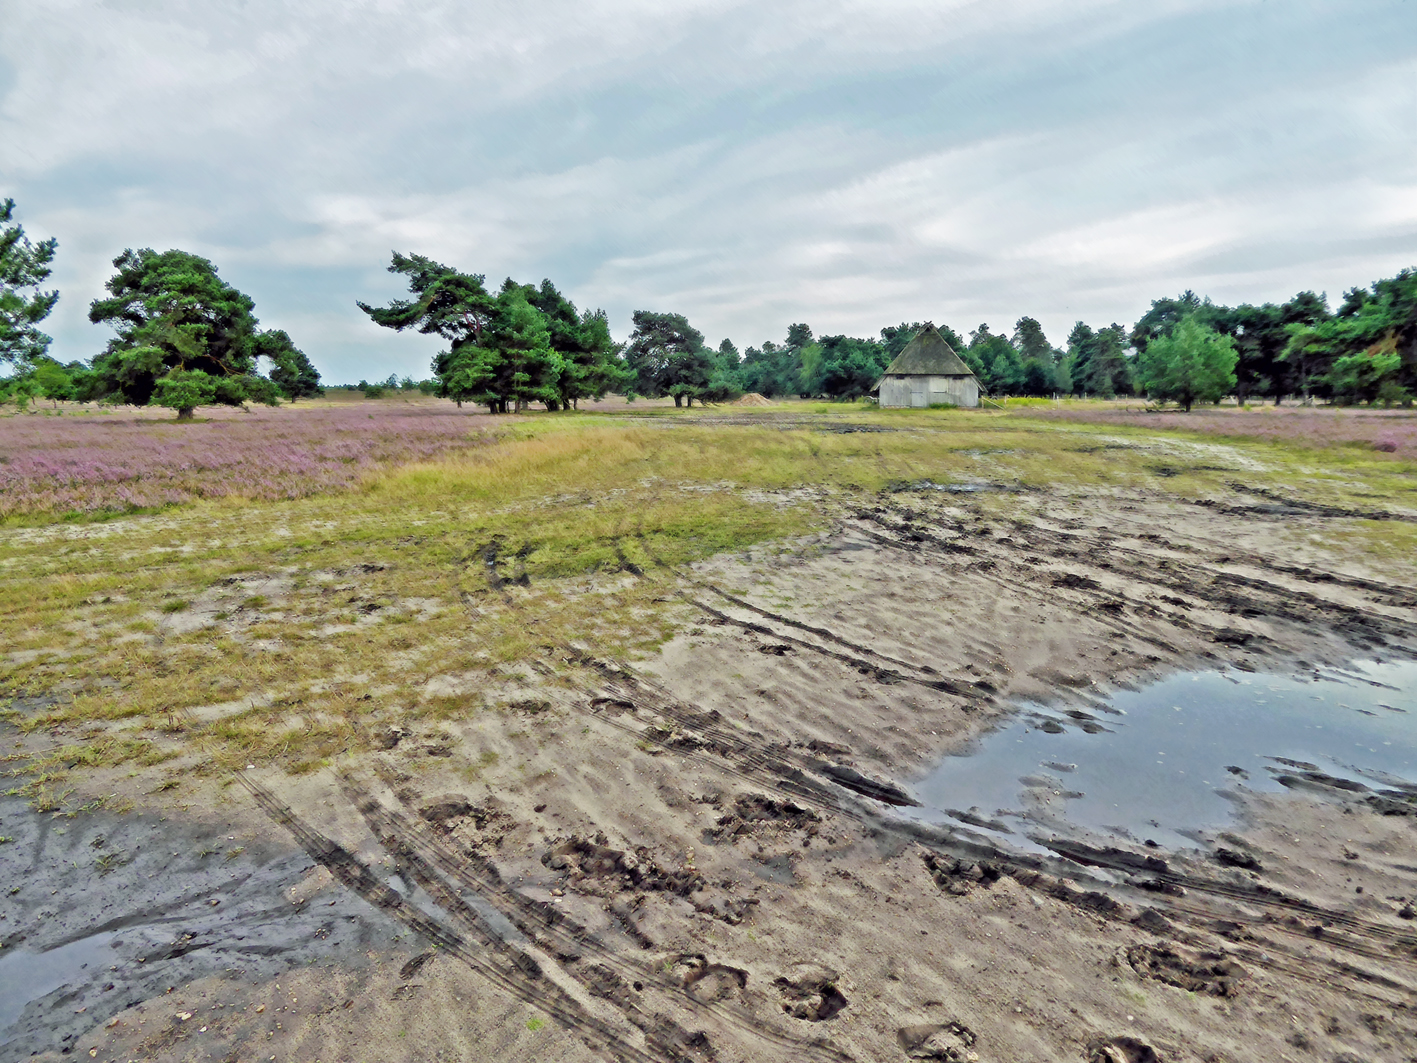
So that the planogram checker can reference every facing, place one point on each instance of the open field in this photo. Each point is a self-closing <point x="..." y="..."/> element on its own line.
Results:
<point x="635" y="698"/>
<point x="1361" y="428"/>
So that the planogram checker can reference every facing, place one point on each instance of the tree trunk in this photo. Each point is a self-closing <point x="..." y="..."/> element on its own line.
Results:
<point x="678" y="400"/>
<point x="185" y="413"/>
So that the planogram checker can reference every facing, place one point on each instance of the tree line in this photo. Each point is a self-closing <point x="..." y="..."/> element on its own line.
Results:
<point x="528" y="344"/>
<point x="184" y="338"/>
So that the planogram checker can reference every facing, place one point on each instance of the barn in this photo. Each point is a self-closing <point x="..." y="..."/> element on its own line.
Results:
<point x="927" y="373"/>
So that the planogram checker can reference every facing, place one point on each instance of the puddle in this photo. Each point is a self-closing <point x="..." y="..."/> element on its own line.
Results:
<point x="969" y="487"/>
<point x="100" y="912"/>
<point x="26" y="976"/>
<point x="1157" y="763"/>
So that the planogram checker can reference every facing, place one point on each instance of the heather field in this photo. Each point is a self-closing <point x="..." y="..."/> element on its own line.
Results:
<point x="86" y="459"/>
<point x="1383" y="432"/>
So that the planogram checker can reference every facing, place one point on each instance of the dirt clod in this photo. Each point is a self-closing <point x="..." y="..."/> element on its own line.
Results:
<point x="1122" y="1050"/>
<point x="812" y="995"/>
<point x="1212" y="973"/>
<point x="952" y="1041"/>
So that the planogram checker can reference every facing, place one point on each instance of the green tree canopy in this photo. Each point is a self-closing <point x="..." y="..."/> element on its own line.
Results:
<point x="1193" y="363"/>
<point x="447" y="303"/>
<point x="1096" y="362"/>
<point x="1041" y="363"/>
<point x="1367" y="376"/>
<point x="995" y="361"/>
<point x="291" y="371"/>
<point x="667" y="356"/>
<point x="1261" y="333"/>
<point x="1377" y="324"/>
<point x="172" y="313"/>
<point x="772" y="370"/>
<point x="508" y="362"/>
<point x="1165" y="315"/>
<point x="54" y="381"/>
<point x="591" y="366"/>
<point x="24" y="266"/>
<point x="523" y="344"/>
<point x="843" y="367"/>
<point x="184" y="390"/>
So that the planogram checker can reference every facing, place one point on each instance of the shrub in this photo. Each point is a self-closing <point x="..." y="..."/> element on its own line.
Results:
<point x="184" y="390"/>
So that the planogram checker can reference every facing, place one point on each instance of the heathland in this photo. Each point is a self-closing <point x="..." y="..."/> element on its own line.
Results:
<point x="634" y="696"/>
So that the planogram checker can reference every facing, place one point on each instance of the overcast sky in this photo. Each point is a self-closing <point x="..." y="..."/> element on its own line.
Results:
<point x="847" y="164"/>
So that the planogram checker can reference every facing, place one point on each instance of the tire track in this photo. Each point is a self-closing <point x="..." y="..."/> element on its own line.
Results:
<point x="552" y="930"/>
<point x="783" y="772"/>
<point x="518" y="977"/>
<point x="966" y="690"/>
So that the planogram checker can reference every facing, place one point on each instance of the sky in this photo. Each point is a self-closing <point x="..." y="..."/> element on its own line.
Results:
<point x="843" y="163"/>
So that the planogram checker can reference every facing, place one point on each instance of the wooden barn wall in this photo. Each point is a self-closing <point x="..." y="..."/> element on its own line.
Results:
<point x="923" y="391"/>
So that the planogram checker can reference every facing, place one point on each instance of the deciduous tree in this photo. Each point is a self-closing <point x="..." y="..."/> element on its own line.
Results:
<point x="184" y="390"/>
<point x="1193" y="363"/>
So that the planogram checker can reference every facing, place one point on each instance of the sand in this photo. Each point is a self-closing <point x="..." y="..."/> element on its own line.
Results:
<point x="700" y="856"/>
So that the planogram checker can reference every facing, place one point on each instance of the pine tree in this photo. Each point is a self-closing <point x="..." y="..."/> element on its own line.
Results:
<point x="23" y="266"/>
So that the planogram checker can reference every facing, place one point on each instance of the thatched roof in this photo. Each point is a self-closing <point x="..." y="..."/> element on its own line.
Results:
<point x="928" y="355"/>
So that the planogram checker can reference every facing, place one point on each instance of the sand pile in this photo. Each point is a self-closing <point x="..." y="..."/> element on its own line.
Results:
<point x="752" y="399"/>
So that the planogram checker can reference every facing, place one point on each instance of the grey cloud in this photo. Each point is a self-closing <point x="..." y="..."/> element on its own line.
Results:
<point x="847" y="164"/>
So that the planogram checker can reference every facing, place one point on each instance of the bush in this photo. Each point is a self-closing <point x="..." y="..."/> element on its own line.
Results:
<point x="184" y="390"/>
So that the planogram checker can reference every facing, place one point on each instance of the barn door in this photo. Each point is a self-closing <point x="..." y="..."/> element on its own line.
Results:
<point x="920" y="391"/>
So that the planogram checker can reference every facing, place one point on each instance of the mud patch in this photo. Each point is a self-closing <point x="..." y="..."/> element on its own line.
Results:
<point x="960" y="876"/>
<point x="103" y="911"/>
<point x="754" y="814"/>
<point x="709" y="982"/>
<point x="1211" y="973"/>
<point x="812" y="995"/>
<point x="851" y="779"/>
<point x="951" y="1041"/>
<point x="593" y="867"/>
<point x="1121" y="1050"/>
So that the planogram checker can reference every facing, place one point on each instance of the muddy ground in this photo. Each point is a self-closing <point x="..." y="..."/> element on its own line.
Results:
<point x="702" y="856"/>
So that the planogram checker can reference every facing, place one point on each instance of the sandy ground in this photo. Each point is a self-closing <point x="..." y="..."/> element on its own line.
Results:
<point x="700" y="858"/>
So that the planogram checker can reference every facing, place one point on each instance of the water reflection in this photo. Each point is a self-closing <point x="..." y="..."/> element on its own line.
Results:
<point x="1152" y="762"/>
